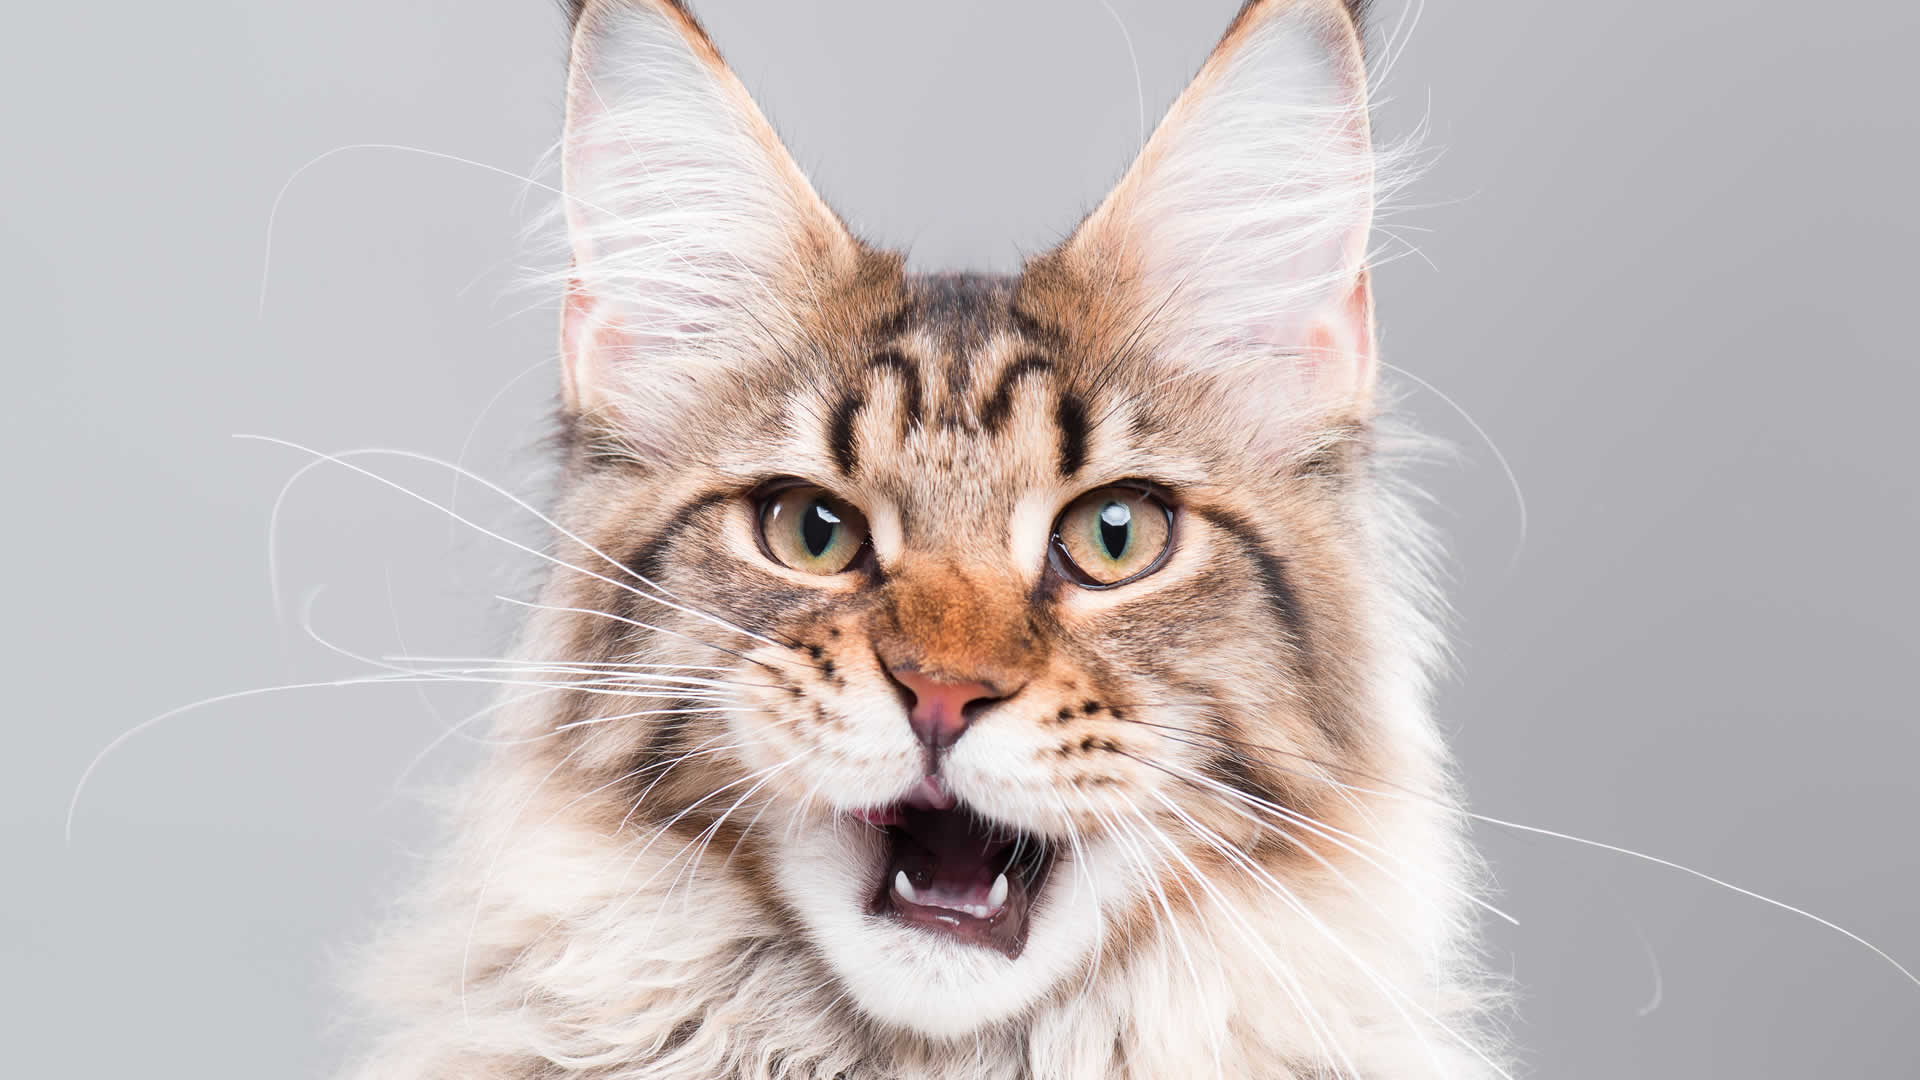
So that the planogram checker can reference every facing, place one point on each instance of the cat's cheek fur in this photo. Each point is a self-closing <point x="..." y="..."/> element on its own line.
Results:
<point x="844" y="747"/>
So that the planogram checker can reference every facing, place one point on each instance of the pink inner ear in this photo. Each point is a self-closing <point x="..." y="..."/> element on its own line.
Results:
<point x="592" y="342"/>
<point x="1339" y="358"/>
<point x="575" y="325"/>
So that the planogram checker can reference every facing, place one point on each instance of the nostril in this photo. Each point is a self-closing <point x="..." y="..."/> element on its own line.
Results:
<point x="972" y="709"/>
<point x="908" y="699"/>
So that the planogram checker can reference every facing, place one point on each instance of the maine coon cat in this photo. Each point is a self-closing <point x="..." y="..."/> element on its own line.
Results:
<point x="957" y="676"/>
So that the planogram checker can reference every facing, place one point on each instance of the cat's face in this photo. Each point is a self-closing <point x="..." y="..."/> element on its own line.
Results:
<point x="1023" y="614"/>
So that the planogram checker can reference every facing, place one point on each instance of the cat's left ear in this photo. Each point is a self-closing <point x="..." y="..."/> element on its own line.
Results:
<point x="1237" y="240"/>
<point x="696" y="239"/>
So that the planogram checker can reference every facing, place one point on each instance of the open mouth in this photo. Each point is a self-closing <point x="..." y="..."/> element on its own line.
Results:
<point x="949" y="871"/>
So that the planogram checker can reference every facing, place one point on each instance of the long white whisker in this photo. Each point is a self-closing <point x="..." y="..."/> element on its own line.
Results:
<point x="73" y="804"/>
<point x="662" y="681"/>
<point x="411" y="659"/>
<point x="1317" y="1024"/>
<point x="1327" y="832"/>
<point x="493" y="863"/>
<point x="341" y="460"/>
<point x="1158" y="891"/>
<point x="1139" y="88"/>
<point x="1599" y="844"/>
<point x="1631" y="853"/>
<point x="1513" y="481"/>
<point x="466" y="443"/>
<point x="1393" y="994"/>
<point x="630" y="622"/>
<point x="707" y="835"/>
<point x="1084" y="873"/>
<point x="704" y="710"/>
<point x="662" y="829"/>
<point x="1703" y="876"/>
<point x="273" y="214"/>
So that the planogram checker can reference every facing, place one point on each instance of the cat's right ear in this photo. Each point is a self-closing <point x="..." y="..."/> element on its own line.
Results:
<point x="690" y="224"/>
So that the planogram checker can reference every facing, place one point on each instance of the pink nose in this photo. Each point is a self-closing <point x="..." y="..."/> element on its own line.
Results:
<point x="939" y="713"/>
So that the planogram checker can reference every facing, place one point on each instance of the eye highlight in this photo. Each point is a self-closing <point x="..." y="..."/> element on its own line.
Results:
<point x="1111" y="536"/>
<point x="806" y="529"/>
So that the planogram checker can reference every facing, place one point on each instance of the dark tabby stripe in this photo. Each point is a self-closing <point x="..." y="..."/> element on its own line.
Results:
<point x="891" y="325"/>
<point x="1285" y="601"/>
<point x="1272" y="568"/>
<point x="1239" y="772"/>
<point x="840" y="432"/>
<point x="1071" y="415"/>
<point x="909" y="373"/>
<point x="665" y="743"/>
<point x="647" y="557"/>
<point x="993" y="416"/>
<point x="1040" y="333"/>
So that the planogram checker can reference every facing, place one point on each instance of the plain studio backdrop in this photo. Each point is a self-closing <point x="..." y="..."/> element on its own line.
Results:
<point x="1663" y="256"/>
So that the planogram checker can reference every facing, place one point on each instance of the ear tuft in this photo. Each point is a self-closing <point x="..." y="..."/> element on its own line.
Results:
<point x="694" y="234"/>
<point x="1240" y="233"/>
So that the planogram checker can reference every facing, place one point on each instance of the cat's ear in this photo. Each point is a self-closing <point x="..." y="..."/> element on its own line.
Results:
<point x="693" y="232"/>
<point x="1238" y="237"/>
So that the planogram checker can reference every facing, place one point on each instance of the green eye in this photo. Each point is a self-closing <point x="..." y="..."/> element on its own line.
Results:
<point x="806" y="529"/>
<point x="1113" y="535"/>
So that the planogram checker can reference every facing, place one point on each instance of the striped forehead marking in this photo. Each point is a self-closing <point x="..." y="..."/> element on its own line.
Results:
<point x="951" y="334"/>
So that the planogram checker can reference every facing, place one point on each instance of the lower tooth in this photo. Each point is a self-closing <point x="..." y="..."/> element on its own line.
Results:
<point x="904" y="887"/>
<point x="997" y="896"/>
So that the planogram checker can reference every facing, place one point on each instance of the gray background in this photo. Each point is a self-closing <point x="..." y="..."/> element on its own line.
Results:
<point x="1664" y="260"/>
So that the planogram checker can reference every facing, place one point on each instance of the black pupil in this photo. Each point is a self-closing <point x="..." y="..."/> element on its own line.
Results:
<point x="1116" y="521"/>
<point x="818" y="524"/>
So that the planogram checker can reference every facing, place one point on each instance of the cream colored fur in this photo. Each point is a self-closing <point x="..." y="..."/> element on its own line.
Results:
<point x="552" y="939"/>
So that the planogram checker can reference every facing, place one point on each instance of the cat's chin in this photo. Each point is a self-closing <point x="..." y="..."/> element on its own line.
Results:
<point x="936" y="922"/>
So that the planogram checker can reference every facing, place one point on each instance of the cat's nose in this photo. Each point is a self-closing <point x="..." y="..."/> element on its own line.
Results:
<point x="941" y="710"/>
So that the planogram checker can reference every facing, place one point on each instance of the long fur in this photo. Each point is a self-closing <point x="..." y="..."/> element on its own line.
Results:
<point x="1260" y="870"/>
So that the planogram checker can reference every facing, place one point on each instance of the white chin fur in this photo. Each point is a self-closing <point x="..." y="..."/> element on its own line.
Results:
<point x="915" y="980"/>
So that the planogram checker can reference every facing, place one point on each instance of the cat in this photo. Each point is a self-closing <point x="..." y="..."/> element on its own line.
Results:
<point x="959" y="676"/>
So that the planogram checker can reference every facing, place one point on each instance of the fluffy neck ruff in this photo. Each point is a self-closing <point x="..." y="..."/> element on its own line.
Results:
<point x="543" y="948"/>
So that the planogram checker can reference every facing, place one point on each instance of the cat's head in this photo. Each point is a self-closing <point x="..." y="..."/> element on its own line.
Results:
<point x="1020" y="615"/>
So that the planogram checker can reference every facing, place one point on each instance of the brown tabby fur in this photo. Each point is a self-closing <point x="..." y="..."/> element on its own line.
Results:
<point x="612" y="907"/>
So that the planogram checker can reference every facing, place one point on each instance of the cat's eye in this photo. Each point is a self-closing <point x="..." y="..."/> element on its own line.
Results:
<point x="1112" y="536"/>
<point x="809" y="530"/>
